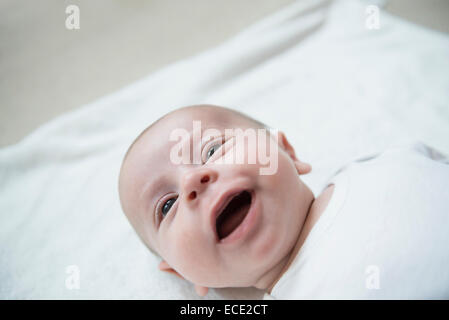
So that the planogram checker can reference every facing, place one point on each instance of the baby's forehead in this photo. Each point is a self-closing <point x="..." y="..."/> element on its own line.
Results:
<point x="152" y="150"/>
<point x="153" y="146"/>
<point x="189" y="120"/>
<point x="207" y="116"/>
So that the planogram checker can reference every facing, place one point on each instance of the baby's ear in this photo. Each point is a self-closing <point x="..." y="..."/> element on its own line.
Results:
<point x="301" y="167"/>
<point x="164" y="266"/>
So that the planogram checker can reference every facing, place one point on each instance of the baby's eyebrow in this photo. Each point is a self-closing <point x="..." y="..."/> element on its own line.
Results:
<point x="151" y="186"/>
<point x="148" y="194"/>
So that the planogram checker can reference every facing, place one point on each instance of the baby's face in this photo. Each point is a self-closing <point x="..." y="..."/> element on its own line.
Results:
<point x="174" y="206"/>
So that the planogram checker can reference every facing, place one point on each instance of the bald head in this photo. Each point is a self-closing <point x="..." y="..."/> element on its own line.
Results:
<point x="205" y="108"/>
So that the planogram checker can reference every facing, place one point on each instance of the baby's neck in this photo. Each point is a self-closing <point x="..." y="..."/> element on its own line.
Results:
<point x="316" y="209"/>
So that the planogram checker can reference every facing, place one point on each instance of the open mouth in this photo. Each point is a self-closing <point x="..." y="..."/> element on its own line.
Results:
<point x="233" y="214"/>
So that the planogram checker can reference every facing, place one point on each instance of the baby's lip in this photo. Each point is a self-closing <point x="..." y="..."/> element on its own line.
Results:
<point x="219" y="205"/>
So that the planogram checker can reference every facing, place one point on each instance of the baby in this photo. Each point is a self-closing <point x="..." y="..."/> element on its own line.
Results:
<point x="227" y="211"/>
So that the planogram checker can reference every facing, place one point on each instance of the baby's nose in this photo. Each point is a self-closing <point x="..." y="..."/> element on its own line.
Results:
<point x="196" y="181"/>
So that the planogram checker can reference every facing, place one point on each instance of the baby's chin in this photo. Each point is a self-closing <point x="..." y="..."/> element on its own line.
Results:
<point x="267" y="252"/>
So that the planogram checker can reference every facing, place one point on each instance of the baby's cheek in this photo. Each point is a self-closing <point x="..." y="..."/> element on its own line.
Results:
<point x="191" y="256"/>
<point x="280" y="178"/>
<point x="268" y="244"/>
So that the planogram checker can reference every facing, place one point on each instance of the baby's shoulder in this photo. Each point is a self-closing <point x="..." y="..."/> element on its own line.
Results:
<point x="398" y="161"/>
<point x="403" y="154"/>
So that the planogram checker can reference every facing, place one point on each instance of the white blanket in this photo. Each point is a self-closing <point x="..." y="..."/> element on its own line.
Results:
<point x="313" y="69"/>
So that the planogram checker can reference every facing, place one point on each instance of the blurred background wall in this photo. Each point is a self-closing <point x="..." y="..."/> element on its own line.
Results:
<point x="46" y="69"/>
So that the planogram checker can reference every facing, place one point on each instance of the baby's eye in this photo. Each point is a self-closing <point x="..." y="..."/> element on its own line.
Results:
<point x="212" y="150"/>
<point x="167" y="206"/>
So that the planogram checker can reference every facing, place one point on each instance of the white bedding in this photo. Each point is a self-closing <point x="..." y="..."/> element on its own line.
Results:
<point x="313" y="70"/>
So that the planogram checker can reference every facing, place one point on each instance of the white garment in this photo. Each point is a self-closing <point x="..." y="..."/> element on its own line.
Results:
<point x="383" y="235"/>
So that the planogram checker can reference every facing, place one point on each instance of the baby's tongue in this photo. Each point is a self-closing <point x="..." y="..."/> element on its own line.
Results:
<point x="231" y="218"/>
